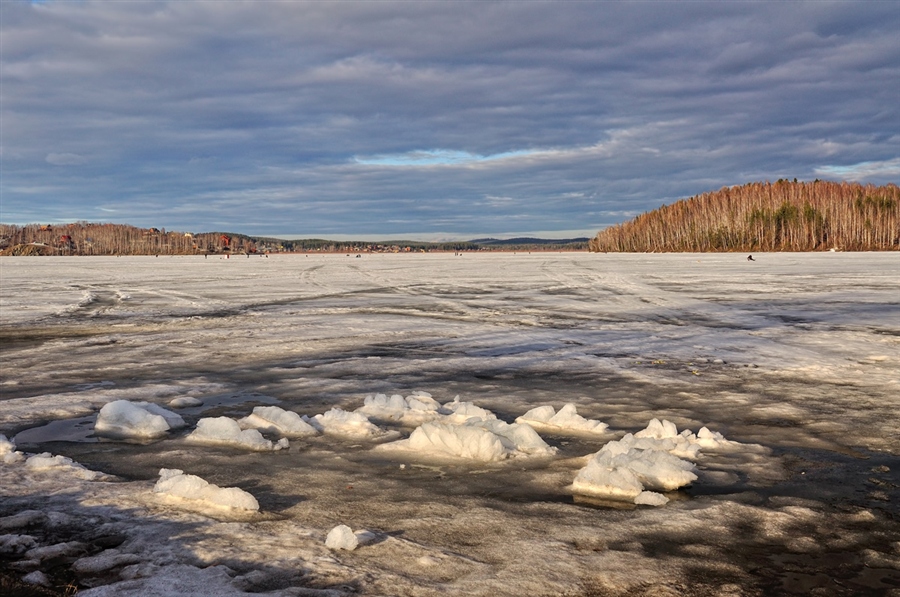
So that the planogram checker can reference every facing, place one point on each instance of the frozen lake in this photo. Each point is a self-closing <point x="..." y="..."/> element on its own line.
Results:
<point x="794" y="356"/>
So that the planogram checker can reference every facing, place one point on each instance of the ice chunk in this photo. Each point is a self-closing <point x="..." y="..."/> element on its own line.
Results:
<point x="37" y="578"/>
<point x="136" y="419"/>
<point x="544" y="418"/>
<point x="657" y="429"/>
<point x="16" y="544"/>
<point x="8" y="454"/>
<point x="173" y="482"/>
<point x="273" y="419"/>
<point x="651" y="498"/>
<point x="225" y="431"/>
<point x="349" y="424"/>
<point x="712" y="440"/>
<point x="46" y="462"/>
<point x="515" y="437"/>
<point x="601" y="479"/>
<point x="341" y="537"/>
<point x="415" y="409"/>
<point x="459" y="412"/>
<point x="460" y="441"/>
<point x="624" y="475"/>
<point x="185" y="402"/>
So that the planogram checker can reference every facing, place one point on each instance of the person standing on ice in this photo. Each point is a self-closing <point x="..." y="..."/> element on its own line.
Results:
<point x="750" y="258"/>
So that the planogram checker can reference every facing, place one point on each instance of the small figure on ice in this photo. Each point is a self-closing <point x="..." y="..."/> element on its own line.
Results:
<point x="750" y="258"/>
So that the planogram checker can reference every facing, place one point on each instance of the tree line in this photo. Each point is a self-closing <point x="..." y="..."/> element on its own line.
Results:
<point x="86" y="238"/>
<point x="763" y="216"/>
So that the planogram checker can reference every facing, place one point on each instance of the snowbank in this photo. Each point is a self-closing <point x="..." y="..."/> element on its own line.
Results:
<point x="227" y="432"/>
<point x="567" y="420"/>
<point x="8" y="454"/>
<point x="415" y="409"/>
<point x="122" y="418"/>
<point x="349" y="424"/>
<point x="174" y="483"/>
<point x="46" y="462"/>
<point x="273" y="419"/>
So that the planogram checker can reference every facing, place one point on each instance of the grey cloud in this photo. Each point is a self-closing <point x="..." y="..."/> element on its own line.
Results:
<point x="222" y="112"/>
<point x="65" y="159"/>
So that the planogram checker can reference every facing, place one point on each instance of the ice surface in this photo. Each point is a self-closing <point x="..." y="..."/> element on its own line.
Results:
<point x="341" y="537"/>
<point x="174" y="483"/>
<point x="567" y="420"/>
<point x="136" y="419"/>
<point x="798" y="355"/>
<point x="227" y="432"/>
<point x="274" y="419"/>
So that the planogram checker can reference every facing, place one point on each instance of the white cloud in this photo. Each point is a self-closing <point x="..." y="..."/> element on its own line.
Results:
<point x="862" y="170"/>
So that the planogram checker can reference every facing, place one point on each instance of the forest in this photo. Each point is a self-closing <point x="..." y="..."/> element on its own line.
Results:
<point x="763" y="216"/>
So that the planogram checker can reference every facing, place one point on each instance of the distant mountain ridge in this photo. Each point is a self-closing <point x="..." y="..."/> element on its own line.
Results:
<point x="528" y="240"/>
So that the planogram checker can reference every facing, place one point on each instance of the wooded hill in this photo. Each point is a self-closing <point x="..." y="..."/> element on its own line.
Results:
<point x="763" y="216"/>
<point x="85" y="238"/>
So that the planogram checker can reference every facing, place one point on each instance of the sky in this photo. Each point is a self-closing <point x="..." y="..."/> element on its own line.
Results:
<point x="431" y="120"/>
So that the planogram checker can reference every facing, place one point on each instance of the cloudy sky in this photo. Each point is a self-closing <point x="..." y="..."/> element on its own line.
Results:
<point x="432" y="119"/>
